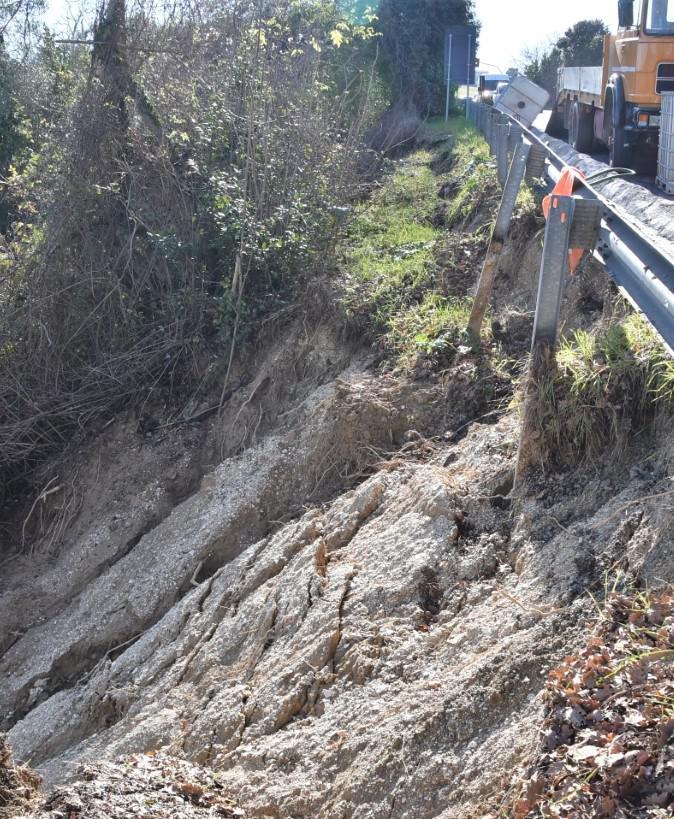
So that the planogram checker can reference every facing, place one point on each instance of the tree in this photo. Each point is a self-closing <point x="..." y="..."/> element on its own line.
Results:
<point x="413" y="42"/>
<point x="14" y="130"/>
<point x="542" y="67"/>
<point x="582" y="44"/>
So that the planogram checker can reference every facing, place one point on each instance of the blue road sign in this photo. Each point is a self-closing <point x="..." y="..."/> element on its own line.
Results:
<point x="460" y="54"/>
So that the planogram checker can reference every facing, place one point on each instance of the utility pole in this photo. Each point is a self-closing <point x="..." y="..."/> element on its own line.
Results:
<point x="449" y="74"/>
<point x="468" y="65"/>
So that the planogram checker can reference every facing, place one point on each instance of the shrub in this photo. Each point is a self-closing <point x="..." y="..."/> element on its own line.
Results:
<point x="185" y="184"/>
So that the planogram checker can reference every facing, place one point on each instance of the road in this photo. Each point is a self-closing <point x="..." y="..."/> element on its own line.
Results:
<point x="646" y="182"/>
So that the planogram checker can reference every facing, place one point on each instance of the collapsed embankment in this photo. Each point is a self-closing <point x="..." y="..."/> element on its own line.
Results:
<point x="328" y="595"/>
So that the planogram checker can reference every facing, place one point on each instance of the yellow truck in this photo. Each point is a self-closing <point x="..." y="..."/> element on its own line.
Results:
<point x="618" y="103"/>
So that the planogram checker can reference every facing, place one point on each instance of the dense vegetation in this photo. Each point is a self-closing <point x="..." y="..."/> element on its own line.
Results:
<point x="168" y="176"/>
<point x="582" y="44"/>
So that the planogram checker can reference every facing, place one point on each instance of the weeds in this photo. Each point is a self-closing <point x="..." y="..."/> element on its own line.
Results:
<point x="390" y="258"/>
<point x="607" y="384"/>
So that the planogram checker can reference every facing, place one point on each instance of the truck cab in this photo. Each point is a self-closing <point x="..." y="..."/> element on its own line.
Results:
<point x="638" y="67"/>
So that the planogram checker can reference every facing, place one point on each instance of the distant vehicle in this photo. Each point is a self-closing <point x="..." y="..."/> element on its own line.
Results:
<point x="488" y="84"/>
<point x="618" y="103"/>
<point x="501" y="88"/>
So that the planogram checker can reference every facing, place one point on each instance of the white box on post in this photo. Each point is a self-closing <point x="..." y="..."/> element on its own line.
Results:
<point x="523" y="100"/>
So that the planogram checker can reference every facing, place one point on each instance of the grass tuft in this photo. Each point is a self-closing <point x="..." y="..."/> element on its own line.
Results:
<point x="609" y="383"/>
<point x="434" y="329"/>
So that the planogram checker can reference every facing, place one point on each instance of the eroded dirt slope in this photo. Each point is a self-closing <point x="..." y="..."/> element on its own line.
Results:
<point x="327" y="596"/>
<point x="381" y="656"/>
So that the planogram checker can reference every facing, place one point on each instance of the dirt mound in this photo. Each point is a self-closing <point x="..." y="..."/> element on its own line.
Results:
<point x="19" y="786"/>
<point x="151" y="786"/>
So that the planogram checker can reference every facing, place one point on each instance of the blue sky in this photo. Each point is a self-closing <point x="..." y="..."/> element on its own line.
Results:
<point x="511" y="26"/>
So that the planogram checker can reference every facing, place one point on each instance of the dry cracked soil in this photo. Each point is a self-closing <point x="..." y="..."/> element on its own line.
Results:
<point x="327" y="602"/>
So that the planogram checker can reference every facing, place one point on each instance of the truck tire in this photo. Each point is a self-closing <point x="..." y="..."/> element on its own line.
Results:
<point x="614" y="123"/>
<point x="620" y="153"/>
<point x="581" y="129"/>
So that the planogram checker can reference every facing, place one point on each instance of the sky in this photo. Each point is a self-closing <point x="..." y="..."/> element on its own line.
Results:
<point x="508" y="26"/>
<point x="511" y="26"/>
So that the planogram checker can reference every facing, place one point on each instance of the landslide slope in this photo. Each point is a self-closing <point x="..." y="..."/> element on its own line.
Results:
<point x="328" y="596"/>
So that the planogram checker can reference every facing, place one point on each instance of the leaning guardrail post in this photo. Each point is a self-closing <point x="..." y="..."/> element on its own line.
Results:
<point x="502" y="153"/>
<point x="536" y="163"/>
<point x="554" y="266"/>
<point x="485" y="284"/>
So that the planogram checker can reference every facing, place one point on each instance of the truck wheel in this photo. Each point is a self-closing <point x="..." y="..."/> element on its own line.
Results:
<point x="581" y="129"/>
<point x="620" y="153"/>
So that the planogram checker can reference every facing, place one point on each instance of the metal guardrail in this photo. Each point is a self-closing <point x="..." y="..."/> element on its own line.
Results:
<point x="643" y="272"/>
<point x="581" y="218"/>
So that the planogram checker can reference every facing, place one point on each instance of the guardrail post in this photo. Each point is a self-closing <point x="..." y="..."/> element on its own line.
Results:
<point x="485" y="284"/>
<point x="490" y="129"/>
<point x="514" y="137"/>
<point x="554" y="266"/>
<point x="502" y="153"/>
<point x="536" y="163"/>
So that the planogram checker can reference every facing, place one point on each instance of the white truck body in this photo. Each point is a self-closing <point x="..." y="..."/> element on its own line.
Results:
<point x="583" y="83"/>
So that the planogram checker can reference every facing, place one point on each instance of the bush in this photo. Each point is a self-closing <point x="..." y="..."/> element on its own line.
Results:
<point x="185" y="184"/>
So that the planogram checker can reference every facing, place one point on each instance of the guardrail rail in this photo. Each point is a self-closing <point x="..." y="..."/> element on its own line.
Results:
<point x="585" y="219"/>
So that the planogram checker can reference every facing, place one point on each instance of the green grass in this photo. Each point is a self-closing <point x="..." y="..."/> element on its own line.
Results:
<point x="434" y="328"/>
<point x="609" y="383"/>
<point x="457" y="125"/>
<point x="389" y="255"/>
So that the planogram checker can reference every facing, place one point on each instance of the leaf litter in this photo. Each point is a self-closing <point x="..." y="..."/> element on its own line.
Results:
<point x="19" y="786"/>
<point x="607" y="747"/>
